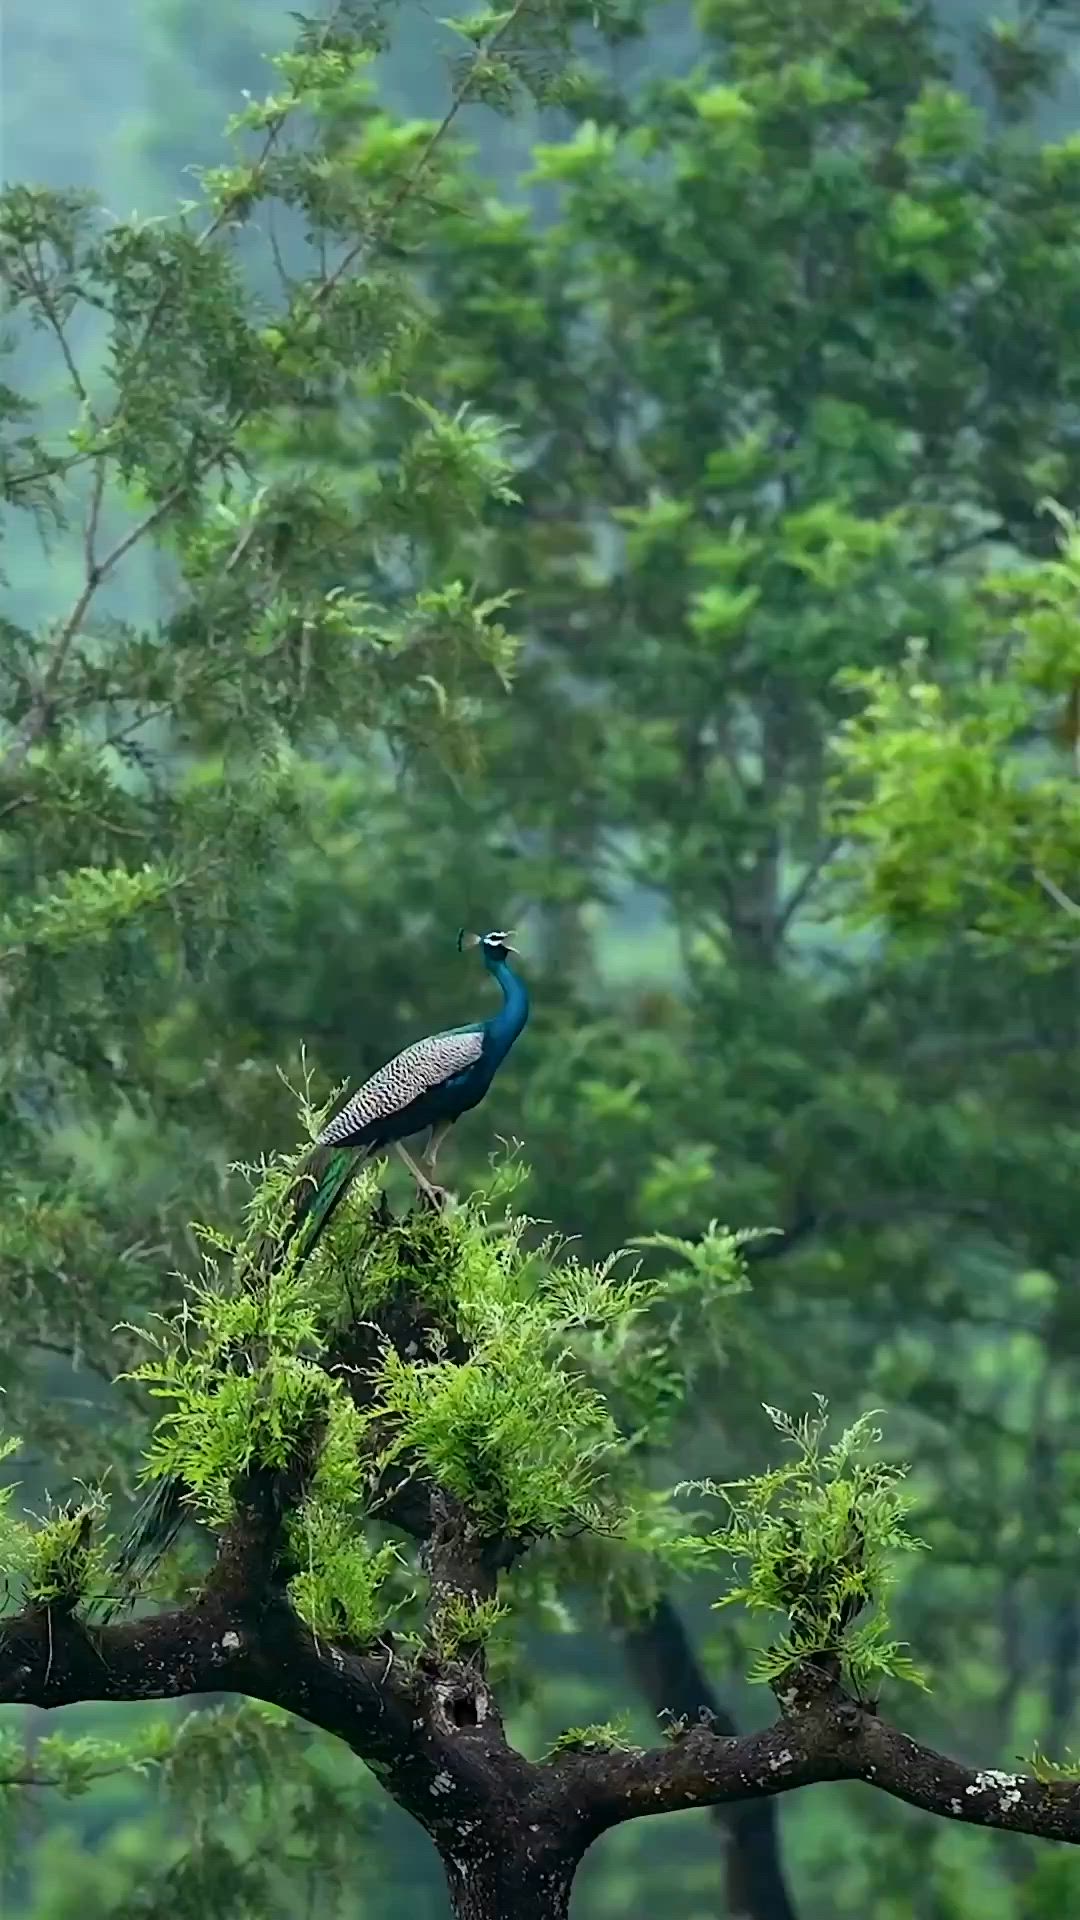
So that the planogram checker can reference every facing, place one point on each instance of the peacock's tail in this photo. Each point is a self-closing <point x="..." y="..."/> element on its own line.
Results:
<point x="324" y="1180"/>
<point x="319" y="1188"/>
<point x="158" y="1519"/>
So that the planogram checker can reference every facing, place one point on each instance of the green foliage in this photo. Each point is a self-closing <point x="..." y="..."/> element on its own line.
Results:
<point x="156" y="762"/>
<point x="1044" y="1768"/>
<point x="16" y="1538"/>
<point x="253" y="1811"/>
<point x="960" y="791"/>
<point x="72" y="1764"/>
<point x="245" y="1389"/>
<point x="819" y="1536"/>
<point x="88" y="905"/>
<point x="605" y="1737"/>
<point x="650" y="1368"/>
<point x="339" y="1590"/>
<point x="463" y="1624"/>
<point x="57" y="1560"/>
<point x="513" y="1428"/>
<point x="65" y="1557"/>
<point x="512" y="1431"/>
<point x="712" y="1265"/>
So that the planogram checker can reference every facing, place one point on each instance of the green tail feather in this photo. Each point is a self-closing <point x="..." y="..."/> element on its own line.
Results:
<point x="325" y="1179"/>
<point x="321" y="1185"/>
<point x="158" y="1520"/>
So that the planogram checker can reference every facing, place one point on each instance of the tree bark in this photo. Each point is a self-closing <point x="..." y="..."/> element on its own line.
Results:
<point x="505" y="1883"/>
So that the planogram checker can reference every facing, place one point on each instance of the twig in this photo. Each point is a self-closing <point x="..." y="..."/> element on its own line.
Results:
<point x="40" y="290"/>
<point x="1063" y="900"/>
<point x="483" y="52"/>
<point x="33" y="1777"/>
<point x="92" y="517"/>
<point x="806" y="884"/>
<point x="213" y="228"/>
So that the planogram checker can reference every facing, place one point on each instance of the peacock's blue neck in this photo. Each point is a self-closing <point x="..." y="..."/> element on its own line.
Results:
<point x="503" y="1028"/>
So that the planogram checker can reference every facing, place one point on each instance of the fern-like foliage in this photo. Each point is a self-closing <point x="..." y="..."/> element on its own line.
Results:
<point x="818" y="1538"/>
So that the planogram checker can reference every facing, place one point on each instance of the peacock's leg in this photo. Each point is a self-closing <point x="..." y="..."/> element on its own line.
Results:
<point x="435" y="1139"/>
<point x="436" y="1196"/>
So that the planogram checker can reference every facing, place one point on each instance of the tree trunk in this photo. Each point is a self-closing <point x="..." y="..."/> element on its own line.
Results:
<point x="505" y="1884"/>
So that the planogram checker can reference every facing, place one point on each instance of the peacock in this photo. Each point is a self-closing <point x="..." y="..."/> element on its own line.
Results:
<point x="423" y="1089"/>
<point x="426" y="1088"/>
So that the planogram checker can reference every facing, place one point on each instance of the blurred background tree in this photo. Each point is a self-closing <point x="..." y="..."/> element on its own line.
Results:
<point x="777" y="309"/>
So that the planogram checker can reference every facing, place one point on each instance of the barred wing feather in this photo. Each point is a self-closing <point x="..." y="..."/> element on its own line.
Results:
<point x="405" y="1078"/>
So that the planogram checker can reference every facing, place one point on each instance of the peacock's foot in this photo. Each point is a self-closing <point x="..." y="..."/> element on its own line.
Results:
<point x="438" y="1198"/>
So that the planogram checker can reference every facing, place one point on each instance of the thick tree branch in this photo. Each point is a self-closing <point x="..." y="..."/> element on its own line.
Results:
<point x="432" y="1736"/>
<point x="49" y="1659"/>
<point x="448" y="1768"/>
<point x="823" y="1735"/>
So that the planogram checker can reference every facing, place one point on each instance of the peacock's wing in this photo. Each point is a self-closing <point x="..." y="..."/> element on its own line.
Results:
<point x="406" y="1078"/>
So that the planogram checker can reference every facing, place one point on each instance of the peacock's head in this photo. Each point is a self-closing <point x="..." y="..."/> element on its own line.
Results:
<point x="494" y="946"/>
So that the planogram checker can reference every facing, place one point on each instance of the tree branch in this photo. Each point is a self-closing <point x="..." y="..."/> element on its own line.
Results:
<point x="805" y="885"/>
<point x="873" y="1212"/>
<point x="823" y="1734"/>
<point x="36" y="1777"/>
<point x="52" y="1659"/>
<point x="411" y="180"/>
<point x="1063" y="900"/>
<point x="430" y="1731"/>
<point x="443" y="1765"/>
